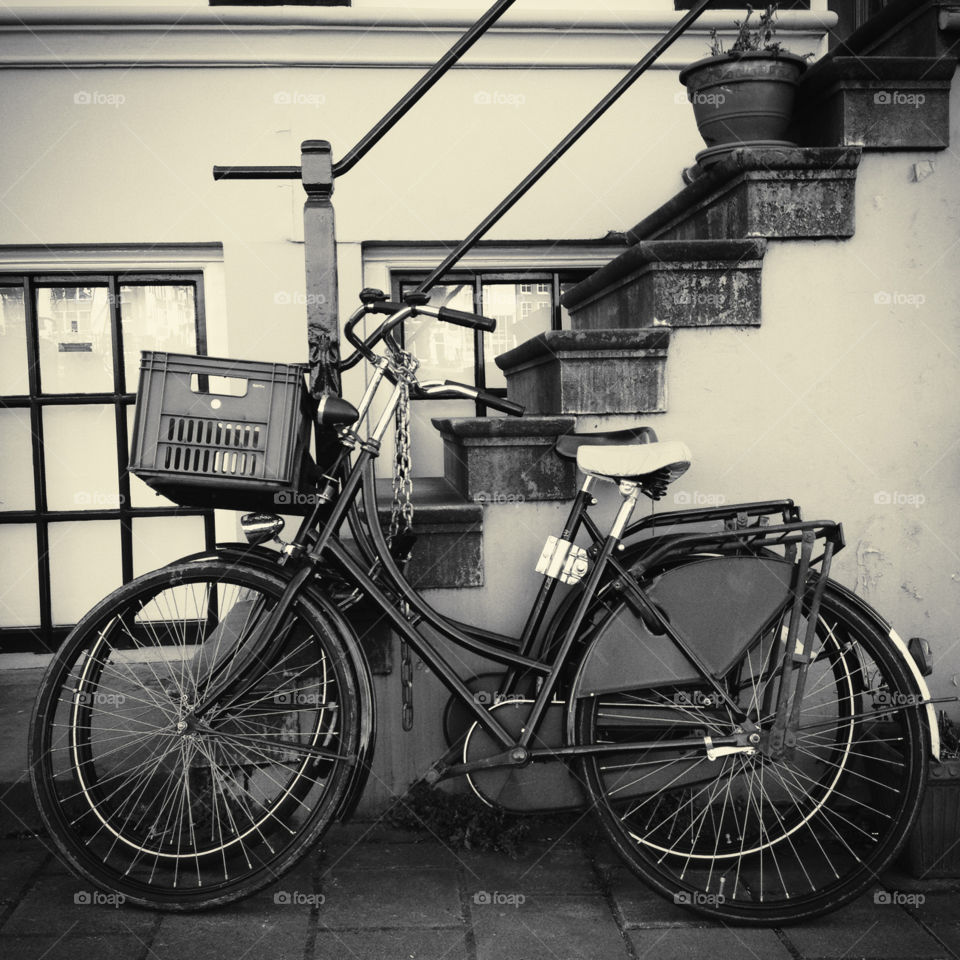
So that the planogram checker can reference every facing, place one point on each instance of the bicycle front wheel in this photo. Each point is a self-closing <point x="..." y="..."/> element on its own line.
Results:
<point x="766" y="838"/>
<point x="178" y="811"/>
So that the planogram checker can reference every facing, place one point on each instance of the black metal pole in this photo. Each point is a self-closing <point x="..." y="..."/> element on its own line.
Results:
<point x="403" y="105"/>
<point x="561" y="148"/>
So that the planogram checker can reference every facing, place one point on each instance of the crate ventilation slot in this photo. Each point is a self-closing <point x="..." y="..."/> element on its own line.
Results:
<point x="213" y="433"/>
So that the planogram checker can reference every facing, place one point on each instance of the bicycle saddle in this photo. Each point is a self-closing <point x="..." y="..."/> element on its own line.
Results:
<point x="670" y="458"/>
<point x="568" y="444"/>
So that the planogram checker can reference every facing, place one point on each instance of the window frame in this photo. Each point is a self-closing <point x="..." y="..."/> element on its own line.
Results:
<point x="45" y="636"/>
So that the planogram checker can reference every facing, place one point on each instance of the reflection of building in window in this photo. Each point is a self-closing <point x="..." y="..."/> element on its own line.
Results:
<point x="71" y="308"/>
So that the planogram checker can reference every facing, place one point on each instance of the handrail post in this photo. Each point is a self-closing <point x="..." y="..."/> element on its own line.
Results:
<point x="320" y="254"/>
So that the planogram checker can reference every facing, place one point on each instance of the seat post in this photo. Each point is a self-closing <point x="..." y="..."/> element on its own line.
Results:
<point x="630" y="490"/>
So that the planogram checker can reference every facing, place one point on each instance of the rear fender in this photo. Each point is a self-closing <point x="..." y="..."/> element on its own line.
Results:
<point x="868" y="613"/>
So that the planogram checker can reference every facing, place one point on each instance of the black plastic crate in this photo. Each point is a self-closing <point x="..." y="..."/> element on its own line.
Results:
<point x="205" y="443"/>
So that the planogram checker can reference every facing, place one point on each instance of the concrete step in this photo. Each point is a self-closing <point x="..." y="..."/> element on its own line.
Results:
<point x="675" y="283"/>
<point x="599" y="371"/>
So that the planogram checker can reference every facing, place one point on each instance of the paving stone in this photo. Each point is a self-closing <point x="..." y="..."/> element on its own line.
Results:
<point x="552" y="928"/>
<point x="63" y="903"/>
<point x="865" y="928"/>
<point x="357" y="899"/>
<point x="950" y="935"/>
<point x="639" y="906"/>
<point x="939" y="908"/>
<point x="70" y="948"/>
<point x="19" y="862"/>
<point x="211" y="935"/>
<point x="542" y="870"/>
<point x="714" y="941"/>
<point x="389" y="856"/>
<point x="405" y="944"/>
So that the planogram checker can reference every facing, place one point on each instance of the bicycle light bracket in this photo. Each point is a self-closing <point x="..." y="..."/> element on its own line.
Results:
<point x="564" y="561"/>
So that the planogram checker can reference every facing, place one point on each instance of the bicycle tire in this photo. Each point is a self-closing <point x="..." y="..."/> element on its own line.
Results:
<point x="845" y="807"/>
<point x="162" y="811"/>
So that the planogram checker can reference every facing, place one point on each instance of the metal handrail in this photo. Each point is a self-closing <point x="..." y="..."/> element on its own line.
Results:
<point x="561" y="148"/>
<point x="387" y="122"/>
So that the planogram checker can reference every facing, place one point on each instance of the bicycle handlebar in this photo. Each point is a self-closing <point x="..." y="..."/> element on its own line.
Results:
<point x="396" y="314"/>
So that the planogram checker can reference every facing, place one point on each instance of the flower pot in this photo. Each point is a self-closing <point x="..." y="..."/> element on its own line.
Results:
<point x="743" y="99"/>
<point x="933" y="849"/>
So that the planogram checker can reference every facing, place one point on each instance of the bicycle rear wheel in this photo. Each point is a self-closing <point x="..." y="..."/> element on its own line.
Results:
<point x="170" y="810"/>
<point x="761" y="838"/>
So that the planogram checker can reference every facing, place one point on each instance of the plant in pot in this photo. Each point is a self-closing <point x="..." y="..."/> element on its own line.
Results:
<point x="743" y="96"/>
<point x="933" y="850"/>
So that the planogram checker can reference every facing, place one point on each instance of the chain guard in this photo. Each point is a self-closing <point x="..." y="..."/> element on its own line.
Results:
<point x="541" y="787"/>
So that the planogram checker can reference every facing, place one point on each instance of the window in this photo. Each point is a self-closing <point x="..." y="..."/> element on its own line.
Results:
<point x="73" y="523"/>
<point x="524" y="304"/>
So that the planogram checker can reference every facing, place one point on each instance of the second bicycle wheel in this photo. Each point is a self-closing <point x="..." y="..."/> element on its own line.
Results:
<point x="181" y="810"/>
<point x="765" y="838"/>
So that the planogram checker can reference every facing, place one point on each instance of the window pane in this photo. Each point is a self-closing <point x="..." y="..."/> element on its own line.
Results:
<point x="76" y="352"/>
<point x="80" y="448"/>
<point x="84" y="566"/>
<point x="13" y="342"/>
<point x="564" y="313"/>
<point x="522" y="311"/>
<point x="156" y="317"/>
<point x="445" y="351"/>
<point x="140" y="494"/>
<point x="160" y="540"/>
<point x="16" y="478"/>
<point x="20" y="597"/>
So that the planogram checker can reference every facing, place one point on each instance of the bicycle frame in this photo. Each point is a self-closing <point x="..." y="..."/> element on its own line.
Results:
<point x="318" y="545"/>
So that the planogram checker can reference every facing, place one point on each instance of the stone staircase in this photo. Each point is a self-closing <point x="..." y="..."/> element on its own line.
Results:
<point x="697" y="260"/>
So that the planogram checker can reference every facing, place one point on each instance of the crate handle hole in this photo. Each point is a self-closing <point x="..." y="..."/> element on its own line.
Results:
<point x="224" y="386"/>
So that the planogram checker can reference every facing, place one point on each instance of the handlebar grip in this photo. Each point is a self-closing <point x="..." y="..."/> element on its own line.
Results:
<point x="501" y="403"/>
<point x="464" y="319"/>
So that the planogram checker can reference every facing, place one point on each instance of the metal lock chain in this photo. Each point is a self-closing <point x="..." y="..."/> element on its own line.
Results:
<point x="401" y="515"/>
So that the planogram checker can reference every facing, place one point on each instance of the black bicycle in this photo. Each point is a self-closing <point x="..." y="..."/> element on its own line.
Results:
<point x="752" y="737"/>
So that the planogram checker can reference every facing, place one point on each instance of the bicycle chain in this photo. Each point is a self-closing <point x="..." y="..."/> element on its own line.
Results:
<point x="401" y="515"/>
